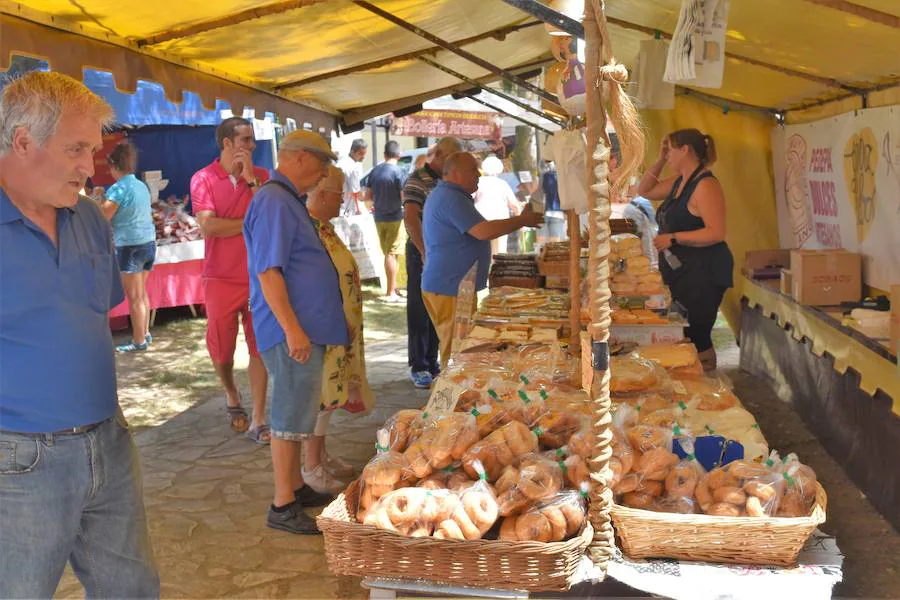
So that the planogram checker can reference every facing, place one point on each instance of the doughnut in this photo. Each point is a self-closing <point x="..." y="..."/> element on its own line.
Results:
<point x="628" y="484"/>
<point x="463" y="440"/>
<point x="508" y="478"/>
<point x="792" y="505"/>
<point x="469" y="530"/>
<point x="732" y="495"/>
<point x="575" y="515"/>
<point x="538" y="482"/>
<point x="383" y="474"/>
<point x="448" y="530"/>
<point x="429" y="483"/>
<point x="458" y="481"/>
<point x="723" y="509"/>
<point x="626" y="455"/>
<point x="755" y="507"/>
<point x="533" y="526"/>
<point x="648" y="486"/>
<point x="765" y="492"/>
<point x="645" y="437"/>
<point x="508" y="530"/>
<point x="675" y="504"/>
<point x="704" y="497"/>
<point x="681" y="481"/>
<point x="417" y="462"/>
<point x="382" y="519"/>
<point x="481" y="508"/>
<point x="447" y="506"/>
<point x="655" y="463"/>
<point x="720" y="478"/>
<point x="578" y="444"/>
<point x="511" y="502"/>
<point x="637" y="500"/>
<point x="504" y="455"/>
<point x="577" y="471"/>
<point x="659" y="418"/>
<point x="403" y="506"/>
<point x="557" y="519"/>
<point x="746" y="469"/>
<point x="615" y="466"/>
<point x="519" y="438"/>
<point x="431" y="506"/>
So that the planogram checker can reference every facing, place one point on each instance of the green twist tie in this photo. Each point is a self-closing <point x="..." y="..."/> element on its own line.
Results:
<point x="380" y="448"/>
<point x="424" y="415"/>
<point x="474" y="412"/>
<point x="560" y="453"/>
<point x="538" y="431"/>
<point x="791" y="481"/>
<point x="449" y="469"/>
<point x="708" y="428"/>
<point x="754" y="426"/>
<point x="524" y="379"/>
<point x="544" y="394"/>
<point x="682" y="405"/>
<point x="493" y="395"/>
<point x="583" y="494"/>
<point x="482" y="476"/>
<point x="562" y="465"/>
<point x="690" y="456"/>
<point x="770" y="463"/>
<point x="524" y="397"/>
<point x="428" y="494"/>
<point x="676" y="430"/>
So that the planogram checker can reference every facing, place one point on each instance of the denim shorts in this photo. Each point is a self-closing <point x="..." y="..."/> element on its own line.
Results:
<point x="136" y="259"/>
<point x="295" y="391"/>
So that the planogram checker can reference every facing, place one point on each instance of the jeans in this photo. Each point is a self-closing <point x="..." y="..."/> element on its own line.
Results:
<point x="74" y="498"/>
<point x="422" y="338"/>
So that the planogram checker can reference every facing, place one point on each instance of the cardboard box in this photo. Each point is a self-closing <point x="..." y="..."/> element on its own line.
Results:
<point x="787" y="282"/>
<point x="760" y="259"/>
<point x="895" y="319"/>
<point x="826" y="277"/>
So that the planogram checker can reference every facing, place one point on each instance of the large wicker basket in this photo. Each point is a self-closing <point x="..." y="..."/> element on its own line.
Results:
<point x="740" y="540"/>
<point x="352" y="548"/>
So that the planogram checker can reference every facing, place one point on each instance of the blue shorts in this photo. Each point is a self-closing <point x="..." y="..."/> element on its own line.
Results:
<point x="295" y="391"/>
<point x="136" y="259"/>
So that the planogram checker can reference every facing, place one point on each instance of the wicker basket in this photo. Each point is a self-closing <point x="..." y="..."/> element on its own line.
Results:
<point x="740" y="540"/>
<point x="553" y="267"/>
<point x="361" y="550"/>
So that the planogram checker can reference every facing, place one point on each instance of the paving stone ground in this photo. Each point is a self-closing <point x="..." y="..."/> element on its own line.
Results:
<point x="207" y="490"/>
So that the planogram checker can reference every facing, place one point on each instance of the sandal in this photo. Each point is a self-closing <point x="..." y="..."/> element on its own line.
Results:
<point x="260" y="434"/>
<point x="238" y="417"/>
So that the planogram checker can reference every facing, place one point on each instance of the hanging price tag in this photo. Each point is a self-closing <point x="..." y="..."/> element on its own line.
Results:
<point x="444" y="396"/>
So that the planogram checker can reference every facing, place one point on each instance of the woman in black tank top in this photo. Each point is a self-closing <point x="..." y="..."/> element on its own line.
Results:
<point x="695" y="261"/>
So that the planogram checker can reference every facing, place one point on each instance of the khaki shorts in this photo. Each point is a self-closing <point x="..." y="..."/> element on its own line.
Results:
<point x="392" y="236"/>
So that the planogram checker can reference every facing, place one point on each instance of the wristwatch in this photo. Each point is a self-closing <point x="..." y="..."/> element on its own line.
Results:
<point x="674" y="240"/>
<point x="253" y="183"/>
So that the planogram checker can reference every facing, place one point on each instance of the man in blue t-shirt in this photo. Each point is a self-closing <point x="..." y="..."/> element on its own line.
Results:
<point x="456" y="238"/>
<point x="386" y="185"/>
<point x="70" y="484"/>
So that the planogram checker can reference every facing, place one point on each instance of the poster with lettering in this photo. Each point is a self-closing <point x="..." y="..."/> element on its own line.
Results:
<point x="837" y="183"/>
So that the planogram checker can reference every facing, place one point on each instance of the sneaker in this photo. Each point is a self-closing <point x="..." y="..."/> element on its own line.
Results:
<point x="132" y="347"/>
<point x="148" y="339"/>
<point x="338" y="467"/>
<point x="292" y="520"/>
<point x="310" y="498"/>
<point x="421" y="379"/>
<point x="393" y="299"/>
<point x="320" y="480"/>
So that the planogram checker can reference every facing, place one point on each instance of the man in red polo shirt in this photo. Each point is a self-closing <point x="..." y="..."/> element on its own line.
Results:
<point x="221" y="194"/>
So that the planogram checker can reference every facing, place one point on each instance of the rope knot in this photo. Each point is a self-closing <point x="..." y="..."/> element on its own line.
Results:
<point x="614" y="72"/>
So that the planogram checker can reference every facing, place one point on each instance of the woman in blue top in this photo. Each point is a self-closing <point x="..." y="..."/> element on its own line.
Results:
<point x="127" y="206"/>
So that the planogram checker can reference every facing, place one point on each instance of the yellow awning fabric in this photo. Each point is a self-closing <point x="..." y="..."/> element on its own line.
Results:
<point x="813" y="52"/>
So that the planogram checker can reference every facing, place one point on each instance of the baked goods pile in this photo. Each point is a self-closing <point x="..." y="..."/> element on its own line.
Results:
<point x="661" y="400"/>
<point x="631" y="273"/>
<point x="509" y="463"/>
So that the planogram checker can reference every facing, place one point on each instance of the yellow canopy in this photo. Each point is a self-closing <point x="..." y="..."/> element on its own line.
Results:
<point x="340" y="57"/>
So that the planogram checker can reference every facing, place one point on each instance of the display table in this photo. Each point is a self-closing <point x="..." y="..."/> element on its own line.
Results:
<point x="174" y="281"/>
<point x="845" y="386"/>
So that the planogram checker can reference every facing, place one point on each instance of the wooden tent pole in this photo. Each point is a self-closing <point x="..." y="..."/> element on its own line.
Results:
<point x="574" y="281"/>
<point x="602" y="548"/>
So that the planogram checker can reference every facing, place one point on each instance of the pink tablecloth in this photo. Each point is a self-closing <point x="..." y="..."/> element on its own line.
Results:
<point x="173" y="284"/>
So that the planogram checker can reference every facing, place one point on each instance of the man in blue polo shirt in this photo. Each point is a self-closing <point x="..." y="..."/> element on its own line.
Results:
<point x="456" y="237"/>
<point x="70" y="488"/>
<point x="297" y="309"/>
